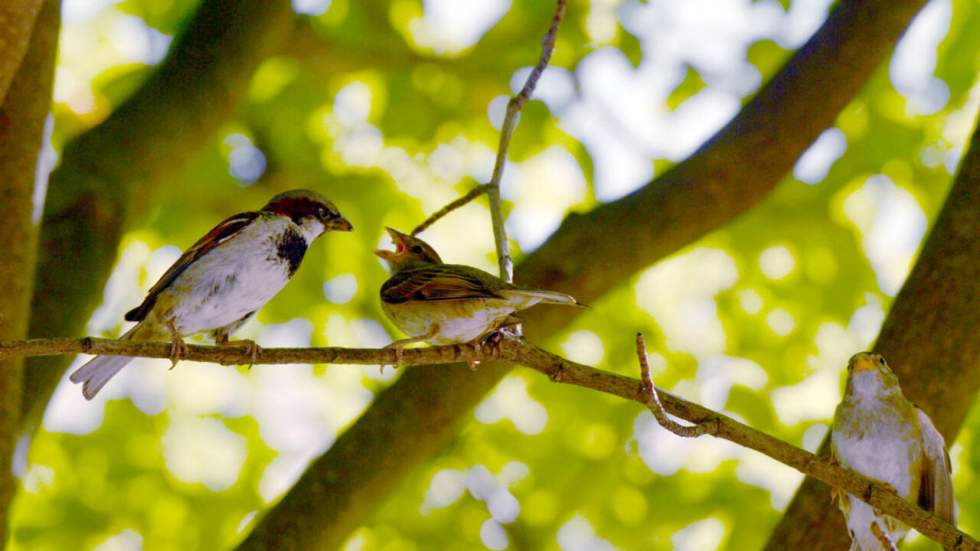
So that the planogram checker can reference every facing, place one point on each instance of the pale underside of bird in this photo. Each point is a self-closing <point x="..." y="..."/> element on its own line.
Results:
<point x="881" y="434"/>
<point x="223" y="279"/>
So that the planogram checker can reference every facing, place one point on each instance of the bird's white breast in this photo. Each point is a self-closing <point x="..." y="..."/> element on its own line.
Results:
<point x="232" y="280"/>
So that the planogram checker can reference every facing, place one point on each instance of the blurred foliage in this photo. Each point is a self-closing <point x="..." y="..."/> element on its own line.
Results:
<point x="373" y="105"/>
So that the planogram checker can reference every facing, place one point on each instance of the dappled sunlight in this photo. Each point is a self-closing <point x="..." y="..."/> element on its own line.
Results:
<point x="544" y="187"/>
<point x="203" y="450"/>
<point x="813" y="165"/>
<point x="584" y="347"/>
<point x="683" y="305"/>
<point x="448" y="27"/>
<point x="511" y="401"/>
<point x="914" y="61"/>
<point x="892" y="225"/>
<point x="578" y="535"/>
<point x="704" y="535"/>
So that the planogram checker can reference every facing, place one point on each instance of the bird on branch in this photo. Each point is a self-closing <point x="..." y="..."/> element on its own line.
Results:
<point x="442" y="303"/>
<point x="223" y="278"/>
<point x="882" y="435"/>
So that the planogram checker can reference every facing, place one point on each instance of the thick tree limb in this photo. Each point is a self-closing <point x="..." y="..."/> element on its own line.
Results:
<point x="415" y="418"/>
<point x="25" y="108"/>
<point x="930" y="337"/>
<point x="17" y="21"/>
<point x="145" y="140"/>
<point x="558" y="369"/>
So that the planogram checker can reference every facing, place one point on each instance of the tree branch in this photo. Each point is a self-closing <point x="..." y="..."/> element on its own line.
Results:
<point x="418" y="416"/>
<point x="561" y="370"/>
<point x="458" y="203"/>
<point x="17" y="21"/>
<point x="25" y="109"/>
<point x="930" y="337"/>
<point x="145" y="140"/>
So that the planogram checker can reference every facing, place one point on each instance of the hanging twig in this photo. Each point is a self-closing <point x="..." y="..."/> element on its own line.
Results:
<point x="492" y="188"/>
<point x="506" y="130"/>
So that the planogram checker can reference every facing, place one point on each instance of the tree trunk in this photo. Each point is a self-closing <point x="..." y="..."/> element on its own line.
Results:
<point x="25" y="110"/>
<point x="17" y="21"/>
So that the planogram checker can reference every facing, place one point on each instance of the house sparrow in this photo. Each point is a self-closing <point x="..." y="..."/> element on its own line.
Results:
<point x="879" y="433"/>
<point x="218" y="283"/>
<point x="449" y="303"/>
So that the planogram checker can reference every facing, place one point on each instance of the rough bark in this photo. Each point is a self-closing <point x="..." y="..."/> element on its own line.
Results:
<point x="17" y="21"/>
<point x="26" y="108"/>
<point x="930" y="338"/>
<point x="147" y="139"/>
<point x="416" y="418"/>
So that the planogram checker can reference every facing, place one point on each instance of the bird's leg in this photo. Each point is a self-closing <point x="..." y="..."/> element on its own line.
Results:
<point x="400" y="345"/>
<point x="252" y="347"/>
<point x="838" y="496"/>
<point x="496" y="337"/>
<point x="881" y="536"/>
<point x="178" y="348"/>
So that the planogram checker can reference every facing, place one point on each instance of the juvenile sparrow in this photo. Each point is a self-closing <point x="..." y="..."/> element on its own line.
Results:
<point x="879" y="433"/>
<point x="218" y="283"/>
<point x="449" y="303"/>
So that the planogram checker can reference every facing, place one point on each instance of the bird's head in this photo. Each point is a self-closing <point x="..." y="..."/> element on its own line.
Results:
<point x="410" y="252"/>
<point x="868" y="373"/>
<point x="309" y="210"/>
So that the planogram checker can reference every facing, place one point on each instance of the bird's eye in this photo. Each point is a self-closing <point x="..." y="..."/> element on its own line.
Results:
<point x="321" y="212"/>
<point x="881" y="361"/>
<point x="417" y="249"/>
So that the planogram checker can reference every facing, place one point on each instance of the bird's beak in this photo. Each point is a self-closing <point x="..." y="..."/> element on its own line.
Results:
<point x="339" y="224"/>
<point x="863" y="362"/>
<point x="398" y="238"/>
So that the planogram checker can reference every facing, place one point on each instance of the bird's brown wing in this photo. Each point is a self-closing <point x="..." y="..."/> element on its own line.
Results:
<point x="434" y="284"/>
<point x="936" y="490"/>
<point x="219" y="234"/>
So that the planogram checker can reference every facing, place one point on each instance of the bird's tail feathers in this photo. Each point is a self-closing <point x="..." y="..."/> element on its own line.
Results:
<point x="94" y="374"/>
<point x="548" y="297"/>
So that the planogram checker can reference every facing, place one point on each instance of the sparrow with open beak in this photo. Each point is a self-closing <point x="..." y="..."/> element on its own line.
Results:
<point x="449" y="303"/>
<point x="882" y="435"/>
<point x="218" y="283"/>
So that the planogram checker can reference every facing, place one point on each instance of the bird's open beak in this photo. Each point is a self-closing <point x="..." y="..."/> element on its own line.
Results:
<point x="339" y="224"/>
<point x="398" y="238"/>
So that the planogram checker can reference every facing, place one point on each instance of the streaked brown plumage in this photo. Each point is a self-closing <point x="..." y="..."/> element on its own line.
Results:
<point x="443" y="303"/>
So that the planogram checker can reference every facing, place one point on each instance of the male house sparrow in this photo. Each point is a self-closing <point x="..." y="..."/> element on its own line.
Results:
<point x="879" y="433"/>
<point x="449" y="303"/>
<point x="218" y="283"/>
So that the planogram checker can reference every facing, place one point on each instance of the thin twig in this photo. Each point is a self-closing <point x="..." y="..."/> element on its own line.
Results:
<point x="652" y="400"/>
<point x="557" y="369"/>
<point x="507" y="129"/>
<point x="473" y="194"/>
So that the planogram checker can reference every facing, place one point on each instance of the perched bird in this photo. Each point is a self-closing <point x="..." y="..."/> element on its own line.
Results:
<point x="881" y="434"/>
<point x="449" y="303"/>
<point x="218" y="283"/>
